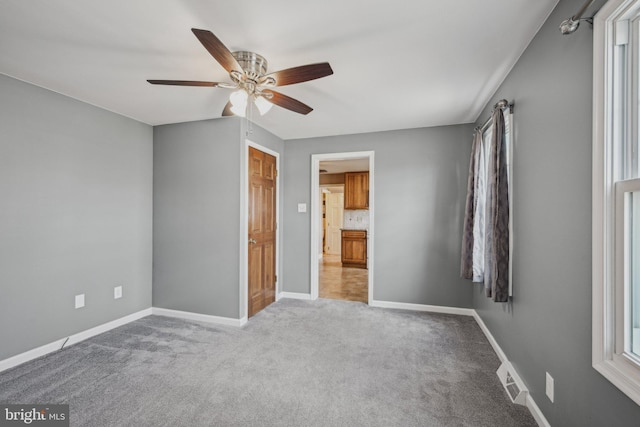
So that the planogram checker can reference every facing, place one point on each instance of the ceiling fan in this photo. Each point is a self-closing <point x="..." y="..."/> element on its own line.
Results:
<point x="248" y="72"/>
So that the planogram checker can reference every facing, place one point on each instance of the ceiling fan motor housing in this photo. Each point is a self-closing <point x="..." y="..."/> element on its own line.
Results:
<point x="252" y="64"/>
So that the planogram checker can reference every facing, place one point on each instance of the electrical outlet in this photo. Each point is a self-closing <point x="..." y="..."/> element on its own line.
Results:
<point x="80" y="301"/>
<point x="549" y="387"/>
<point x="117" y="292"/>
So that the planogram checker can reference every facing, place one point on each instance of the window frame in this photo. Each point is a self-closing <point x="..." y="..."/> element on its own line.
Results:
<point x="615" y="124"/>
<point x="623" y="190"/>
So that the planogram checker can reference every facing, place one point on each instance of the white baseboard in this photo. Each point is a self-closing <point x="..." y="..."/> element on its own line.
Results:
<point x="531" y="404"/>
<point x="21" y="358"/>
<point x="295" y="295"/>
<point x="72" y="339"/>
<point x="536" y="412"/>
<point x="492" y="340"/>
<point x="208" y="318"/>
<point x="81" y="336"/>
<point x="422" y="307"/>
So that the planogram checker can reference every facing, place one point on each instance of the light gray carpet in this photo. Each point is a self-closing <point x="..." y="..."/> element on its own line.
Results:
<point x="297" y="363"/>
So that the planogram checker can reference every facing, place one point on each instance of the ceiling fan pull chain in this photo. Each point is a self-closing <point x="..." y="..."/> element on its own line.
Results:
<point x="249" y="118"/>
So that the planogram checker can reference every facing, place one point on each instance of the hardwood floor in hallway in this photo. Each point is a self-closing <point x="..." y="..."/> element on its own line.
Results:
<point x="345" y="283"/>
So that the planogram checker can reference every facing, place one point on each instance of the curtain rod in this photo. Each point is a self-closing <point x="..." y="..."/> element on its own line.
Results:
<point x="502" y="104"/>
<point x="570" y="25"/>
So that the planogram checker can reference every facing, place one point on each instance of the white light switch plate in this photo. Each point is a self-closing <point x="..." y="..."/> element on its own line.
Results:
<point x="549" y="384"/>
<point x="80" y="301"/>
<point x="117" y="292"/>
<point x="302" y="207"/>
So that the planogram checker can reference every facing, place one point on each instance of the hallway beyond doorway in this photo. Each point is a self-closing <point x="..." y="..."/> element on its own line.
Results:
<point x="345" y="283"/>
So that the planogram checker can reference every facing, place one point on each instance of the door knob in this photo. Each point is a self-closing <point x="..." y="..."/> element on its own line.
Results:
<point x="252" y="241"/>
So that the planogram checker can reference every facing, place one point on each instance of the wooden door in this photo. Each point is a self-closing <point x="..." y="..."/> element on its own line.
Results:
<point x="262" y="230"/>
<point x="335" y="217"/>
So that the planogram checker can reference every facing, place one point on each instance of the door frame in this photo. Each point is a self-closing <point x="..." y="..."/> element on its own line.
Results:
<point x="315" y="215"/>
<point x="244" y="227"/>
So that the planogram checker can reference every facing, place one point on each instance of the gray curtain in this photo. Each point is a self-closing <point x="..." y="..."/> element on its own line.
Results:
<point x="496" y="269"/>
<point x="466" y="263"/>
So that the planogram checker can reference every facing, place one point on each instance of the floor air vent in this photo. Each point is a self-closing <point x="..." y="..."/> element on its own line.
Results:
<point x="512" y="384"/>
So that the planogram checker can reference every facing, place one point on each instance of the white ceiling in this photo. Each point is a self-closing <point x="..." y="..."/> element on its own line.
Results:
<point x="397" y="64"/>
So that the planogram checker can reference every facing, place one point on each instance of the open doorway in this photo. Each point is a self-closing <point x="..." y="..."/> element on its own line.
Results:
<point x="342" y="219"/>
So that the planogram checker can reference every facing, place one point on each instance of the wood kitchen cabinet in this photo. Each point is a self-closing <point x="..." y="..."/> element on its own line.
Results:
<point x="354" y="248"/>
<point x="356" y="190"/>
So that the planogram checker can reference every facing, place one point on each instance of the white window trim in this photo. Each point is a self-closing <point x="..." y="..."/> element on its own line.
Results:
<point x="608" y="353"/>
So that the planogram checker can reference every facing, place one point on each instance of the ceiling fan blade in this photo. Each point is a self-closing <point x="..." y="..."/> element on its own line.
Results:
<point x="287" y="102"/>
<point x="183" y="83"/>
<point x="218" y="50"/>
<point x="227" y="110"/>
<point x="300" y="74"/>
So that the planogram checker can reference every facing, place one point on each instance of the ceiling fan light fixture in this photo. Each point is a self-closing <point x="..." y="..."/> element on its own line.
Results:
<point x="239" y="98"/>
<point x="241" y="112"/>
<point x="263" y="105"/>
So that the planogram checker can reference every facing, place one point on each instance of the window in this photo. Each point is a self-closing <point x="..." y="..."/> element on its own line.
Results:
<point x="616" y="196"/>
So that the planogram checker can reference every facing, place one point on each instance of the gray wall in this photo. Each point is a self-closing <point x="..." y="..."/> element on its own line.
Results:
<point x="196" y="200"/>
<point x="548" y="325"/>
<point x="75" y="191"/>
<point x="263" y="137"/>
<point x="420" y="186"/>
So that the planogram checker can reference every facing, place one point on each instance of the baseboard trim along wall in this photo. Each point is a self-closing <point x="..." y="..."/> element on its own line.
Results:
<point x="531" y="404"/>
<point x="294" y="295"/>
<point x="422" y="307"/>
<point x="81" y="336"/>
<point x="536" y="412"/>
<point x="72" y="339"/>
<point x="492" y="340"/>
<point x="208" y="318"/>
